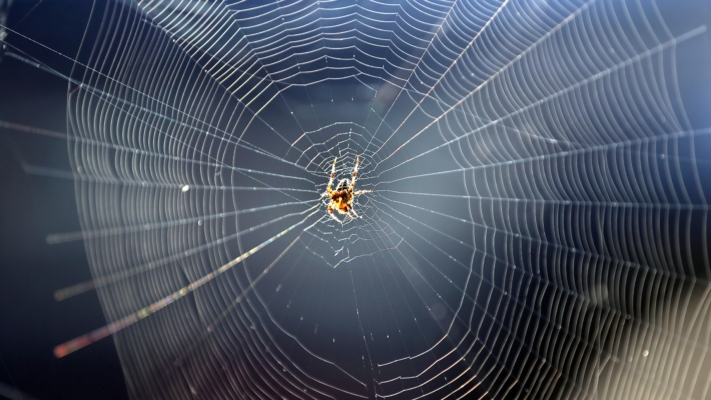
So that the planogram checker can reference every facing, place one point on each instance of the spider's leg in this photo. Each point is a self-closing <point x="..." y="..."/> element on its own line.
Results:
<point x="333" y="175"/>
<point x="330" y="211"/>
<point x="356" y="193"/>
<point x="355" y="172"/>
<point x="354" y="214"/>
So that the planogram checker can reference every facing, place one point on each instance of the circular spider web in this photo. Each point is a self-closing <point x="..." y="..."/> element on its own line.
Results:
<point x="537" y="226"/>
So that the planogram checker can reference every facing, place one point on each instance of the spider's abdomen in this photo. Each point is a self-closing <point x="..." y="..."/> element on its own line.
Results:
<point x="340" y="200"/>
<point x="340" y="195"/>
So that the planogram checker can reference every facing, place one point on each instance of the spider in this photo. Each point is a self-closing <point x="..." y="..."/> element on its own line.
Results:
<point x="342" y="197"/>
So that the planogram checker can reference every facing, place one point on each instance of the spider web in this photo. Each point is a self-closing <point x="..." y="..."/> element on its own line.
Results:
<point x="537" y="225"/>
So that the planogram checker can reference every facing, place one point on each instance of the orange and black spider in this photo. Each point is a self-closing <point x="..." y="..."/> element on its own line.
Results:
<point x="342" y="198"/>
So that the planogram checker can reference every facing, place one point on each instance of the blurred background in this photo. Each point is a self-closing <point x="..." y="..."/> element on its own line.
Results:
<point x="34" y="206"/>
<point x="36" y="202"/>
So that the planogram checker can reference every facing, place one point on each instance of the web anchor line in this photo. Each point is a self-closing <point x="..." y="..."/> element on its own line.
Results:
<point x="116" y="326"/>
